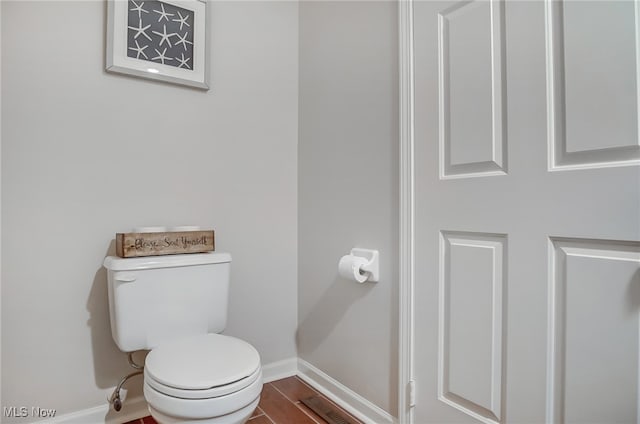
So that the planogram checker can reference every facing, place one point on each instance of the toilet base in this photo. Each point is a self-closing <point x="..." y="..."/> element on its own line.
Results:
<point x="240" y="416"/>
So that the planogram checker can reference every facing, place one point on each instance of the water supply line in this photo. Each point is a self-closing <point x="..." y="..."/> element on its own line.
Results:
<point x="115" y="399"/>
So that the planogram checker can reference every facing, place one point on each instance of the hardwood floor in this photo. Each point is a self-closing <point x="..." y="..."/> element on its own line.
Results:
<point x="280" y="403"/>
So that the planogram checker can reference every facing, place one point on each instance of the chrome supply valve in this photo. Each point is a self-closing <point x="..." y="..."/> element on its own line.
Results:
<point x="115" y="398"/>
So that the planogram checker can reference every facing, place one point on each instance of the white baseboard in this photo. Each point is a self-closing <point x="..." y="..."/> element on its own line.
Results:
<point x="346" y="398"/>
<point x="104" y="414"/>
<point x="281" y="369"/>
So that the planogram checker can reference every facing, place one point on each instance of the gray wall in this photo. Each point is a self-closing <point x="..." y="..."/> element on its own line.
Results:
<point x="348" y="179"/>
<point x="77" y="168"/>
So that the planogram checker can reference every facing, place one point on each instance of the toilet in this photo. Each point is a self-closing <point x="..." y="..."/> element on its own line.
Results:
<point x="175" y="306"/>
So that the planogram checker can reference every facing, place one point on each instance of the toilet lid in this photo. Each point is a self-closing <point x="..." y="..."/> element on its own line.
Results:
<point x="202" y="362"/>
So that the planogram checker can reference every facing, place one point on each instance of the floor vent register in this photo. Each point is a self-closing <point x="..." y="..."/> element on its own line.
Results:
<point x="327" y="411"/>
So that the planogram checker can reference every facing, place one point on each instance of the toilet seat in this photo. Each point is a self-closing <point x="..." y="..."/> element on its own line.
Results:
<point x="202" y="362"/>
<point x="205" y="393"/>
<point x="202" y="376"/>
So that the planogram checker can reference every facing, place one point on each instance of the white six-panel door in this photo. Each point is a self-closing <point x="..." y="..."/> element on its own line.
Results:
<point x="527" y="212"/>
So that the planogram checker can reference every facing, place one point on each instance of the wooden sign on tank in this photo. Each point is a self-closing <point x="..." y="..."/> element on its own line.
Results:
<point x="132" y="245"/>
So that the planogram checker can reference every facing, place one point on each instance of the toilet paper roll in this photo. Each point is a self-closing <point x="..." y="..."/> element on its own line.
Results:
<point x="349" y="267"/>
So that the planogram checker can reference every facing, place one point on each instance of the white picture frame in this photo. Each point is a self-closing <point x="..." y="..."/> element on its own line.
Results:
<point x="154" y="47"/>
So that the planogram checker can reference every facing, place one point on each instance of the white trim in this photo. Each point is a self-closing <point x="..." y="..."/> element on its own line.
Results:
<point x="0" y="199"/>
<point x="344" y="397"/>
<point x="636" y="7"/>
<point x="131" y="409"/>
<point x="280" y="369"/>
<point x="406" y="248"/>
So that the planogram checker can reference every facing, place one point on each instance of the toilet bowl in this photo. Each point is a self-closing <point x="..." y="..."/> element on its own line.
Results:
<point x="208" y="378"/>
<point x="238" y="417"/>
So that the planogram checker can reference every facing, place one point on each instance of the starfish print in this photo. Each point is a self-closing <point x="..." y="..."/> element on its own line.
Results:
<point x="161" y="56"/>
<point x="163" y="14"/>
<point x="140" y="30"/>
<point x="182" y="20"/>
<point x="139" y="50"/>
<point x="183" y="40"/>
<point x="164" y="35"/>
<point x="183" y="61"/>
<point x="139" y="8"/>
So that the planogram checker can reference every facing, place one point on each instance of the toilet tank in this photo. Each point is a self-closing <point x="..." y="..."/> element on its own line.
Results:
<point x="159" y="298"/>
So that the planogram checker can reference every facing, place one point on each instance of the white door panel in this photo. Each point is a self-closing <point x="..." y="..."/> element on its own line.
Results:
<point x="472" y="270"/>
<point x="593" y="331"/>
<point x="592" y="49"/>
<point x="527" y="212"/>
<point x="471" y="66"/>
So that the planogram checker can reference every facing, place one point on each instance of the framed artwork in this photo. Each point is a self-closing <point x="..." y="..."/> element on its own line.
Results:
<point x="162" y="40"/>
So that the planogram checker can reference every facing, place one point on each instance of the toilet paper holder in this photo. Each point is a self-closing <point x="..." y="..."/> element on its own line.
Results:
<point x="372" y="266"/>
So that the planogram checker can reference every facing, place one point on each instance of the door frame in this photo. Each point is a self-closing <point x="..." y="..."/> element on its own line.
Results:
<point x="406" y="384"/>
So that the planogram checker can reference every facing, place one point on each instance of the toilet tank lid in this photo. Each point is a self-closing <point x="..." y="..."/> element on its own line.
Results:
<point x="114" y="263"/>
